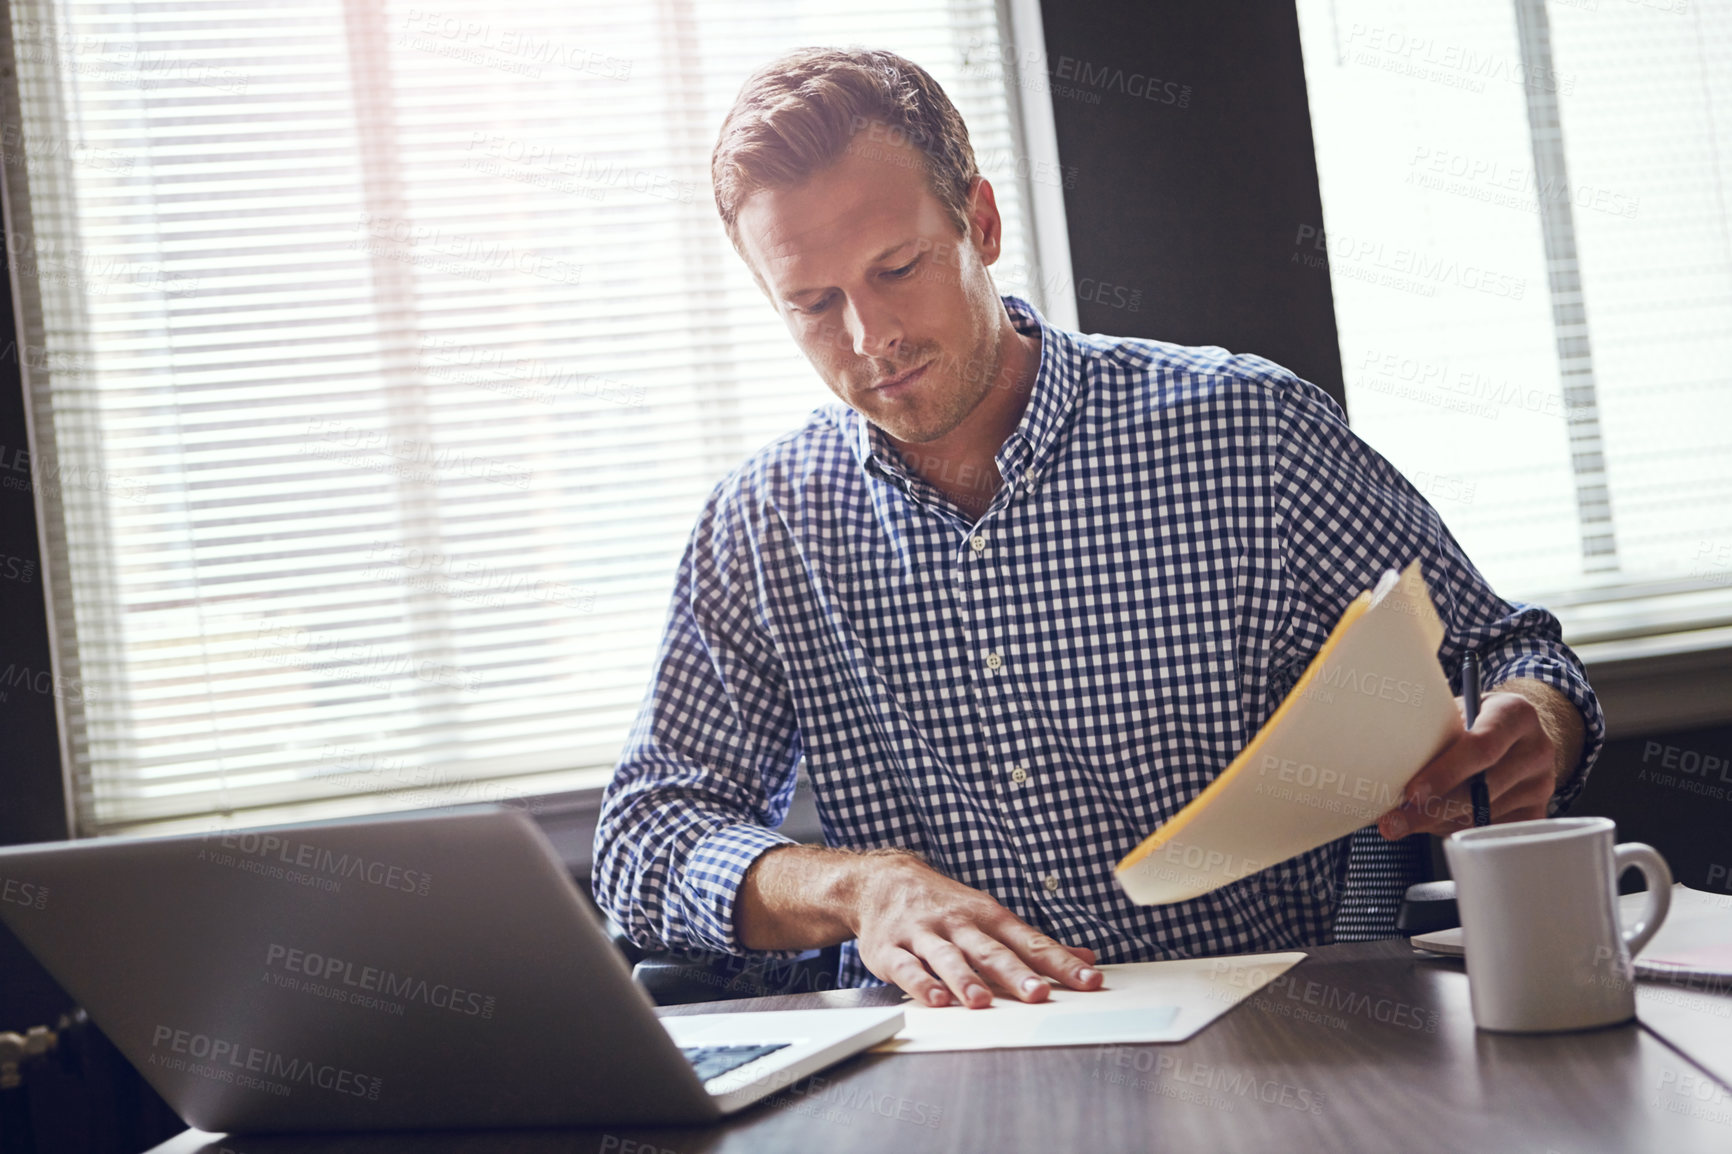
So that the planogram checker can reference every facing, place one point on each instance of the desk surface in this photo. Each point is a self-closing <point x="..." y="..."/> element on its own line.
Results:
<point x="1366" y="1048"/>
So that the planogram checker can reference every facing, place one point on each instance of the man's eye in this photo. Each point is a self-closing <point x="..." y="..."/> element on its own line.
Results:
<point x="904" y="270"/>
<point x="815" y="308"/>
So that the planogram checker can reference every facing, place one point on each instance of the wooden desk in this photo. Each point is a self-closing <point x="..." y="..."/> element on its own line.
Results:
<point x="1364" y="1048"/>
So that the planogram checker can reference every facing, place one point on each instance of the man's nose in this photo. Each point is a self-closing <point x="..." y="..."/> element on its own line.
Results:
<point x="875" y="330"/>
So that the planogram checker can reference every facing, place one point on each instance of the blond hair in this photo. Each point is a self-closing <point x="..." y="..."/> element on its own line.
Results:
<point x="797" y="115"/>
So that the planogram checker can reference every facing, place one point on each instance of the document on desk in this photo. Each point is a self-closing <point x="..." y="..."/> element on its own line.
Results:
<point x="1138" y="1002"/>
<point x="1367" y="714"/>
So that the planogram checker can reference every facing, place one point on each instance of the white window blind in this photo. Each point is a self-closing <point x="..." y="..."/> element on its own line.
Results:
<point x="382" y="358"/>
<point x="1528" y="238"/>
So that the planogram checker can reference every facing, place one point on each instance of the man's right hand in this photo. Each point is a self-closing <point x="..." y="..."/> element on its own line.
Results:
<point x="936" y="938"/>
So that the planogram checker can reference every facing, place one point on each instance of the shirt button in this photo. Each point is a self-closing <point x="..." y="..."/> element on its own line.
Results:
<point x="978" y="544"/>
<point x="994" y="661"/>
<point x="1052" y="883"/>
<point x="1019" y="775"/>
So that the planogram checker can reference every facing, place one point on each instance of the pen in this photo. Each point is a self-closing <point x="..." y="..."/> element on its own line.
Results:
<point x="1470" y="707"/>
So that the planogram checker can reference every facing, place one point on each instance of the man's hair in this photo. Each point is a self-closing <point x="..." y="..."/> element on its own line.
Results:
<point x="797" y="115"/>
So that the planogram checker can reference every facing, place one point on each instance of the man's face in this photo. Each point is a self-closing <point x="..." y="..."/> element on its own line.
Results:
<point x="891" y="304"/>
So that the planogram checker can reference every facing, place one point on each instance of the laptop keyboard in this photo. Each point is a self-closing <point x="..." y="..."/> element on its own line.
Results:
<point x="714" y="1061"/>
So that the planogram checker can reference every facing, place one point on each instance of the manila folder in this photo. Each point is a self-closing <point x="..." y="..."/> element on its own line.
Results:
<point x="1369" y="712"/>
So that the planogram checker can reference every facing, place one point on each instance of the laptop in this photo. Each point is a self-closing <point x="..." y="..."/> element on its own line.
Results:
<point x="415" y="971"/>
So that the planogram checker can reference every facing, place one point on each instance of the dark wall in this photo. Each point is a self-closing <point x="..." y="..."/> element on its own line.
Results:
<point x="1673" y="791"/>
<point x="32" y="807"/>
<point x="1189" y="133"/>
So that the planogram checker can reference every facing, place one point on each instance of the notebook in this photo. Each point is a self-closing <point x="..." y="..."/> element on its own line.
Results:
<point x="1368" y="713"/>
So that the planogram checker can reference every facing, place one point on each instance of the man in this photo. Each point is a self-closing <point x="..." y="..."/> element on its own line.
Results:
<point x="1015" y="601"/>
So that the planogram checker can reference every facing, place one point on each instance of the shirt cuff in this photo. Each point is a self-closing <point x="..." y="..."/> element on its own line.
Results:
<point x="1563" y="678"/>
<point x="711" y="880"/>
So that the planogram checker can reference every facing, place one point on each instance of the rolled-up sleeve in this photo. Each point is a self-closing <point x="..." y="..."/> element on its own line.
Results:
<point x="709" y="766"/>
<point x="1345" y="515"/>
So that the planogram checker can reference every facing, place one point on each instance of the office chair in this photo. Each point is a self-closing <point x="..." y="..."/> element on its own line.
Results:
<point x="675" y="977"/>
<point x="1378" y="874"/>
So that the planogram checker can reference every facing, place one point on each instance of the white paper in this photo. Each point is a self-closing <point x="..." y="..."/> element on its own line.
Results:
<point x="1138" y="1002"/>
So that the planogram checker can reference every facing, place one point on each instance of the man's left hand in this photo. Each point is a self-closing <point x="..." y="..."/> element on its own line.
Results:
<point x="1523" y="742"/>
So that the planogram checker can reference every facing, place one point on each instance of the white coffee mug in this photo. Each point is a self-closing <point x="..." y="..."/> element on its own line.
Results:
<point x="1539" y="922"/>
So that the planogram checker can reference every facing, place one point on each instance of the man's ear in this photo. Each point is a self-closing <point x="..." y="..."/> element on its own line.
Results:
<point x="985" y="227"/>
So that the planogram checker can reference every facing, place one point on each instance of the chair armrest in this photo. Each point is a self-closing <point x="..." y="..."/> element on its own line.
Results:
<point x="630" y="950"/>
<point x="676" y="977"/>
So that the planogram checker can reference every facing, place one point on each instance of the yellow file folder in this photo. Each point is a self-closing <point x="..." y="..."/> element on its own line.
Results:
<point x="1371" y="710"/>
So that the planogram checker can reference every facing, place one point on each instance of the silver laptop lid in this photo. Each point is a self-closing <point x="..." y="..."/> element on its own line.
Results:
<point x="416" y="971"/>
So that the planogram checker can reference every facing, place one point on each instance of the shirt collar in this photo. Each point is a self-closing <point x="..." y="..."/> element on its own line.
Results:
<point x="1057" y="385"/>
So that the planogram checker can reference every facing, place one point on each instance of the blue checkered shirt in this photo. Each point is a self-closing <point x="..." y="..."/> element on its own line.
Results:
<point x="1022" y="698"/>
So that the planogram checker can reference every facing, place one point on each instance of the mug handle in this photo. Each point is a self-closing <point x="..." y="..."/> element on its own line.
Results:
<point x="1635" y="855"/>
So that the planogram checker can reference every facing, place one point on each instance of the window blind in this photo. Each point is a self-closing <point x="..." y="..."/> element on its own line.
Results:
<point x="1520" y="197"/>
<point x="380" y="359"/>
